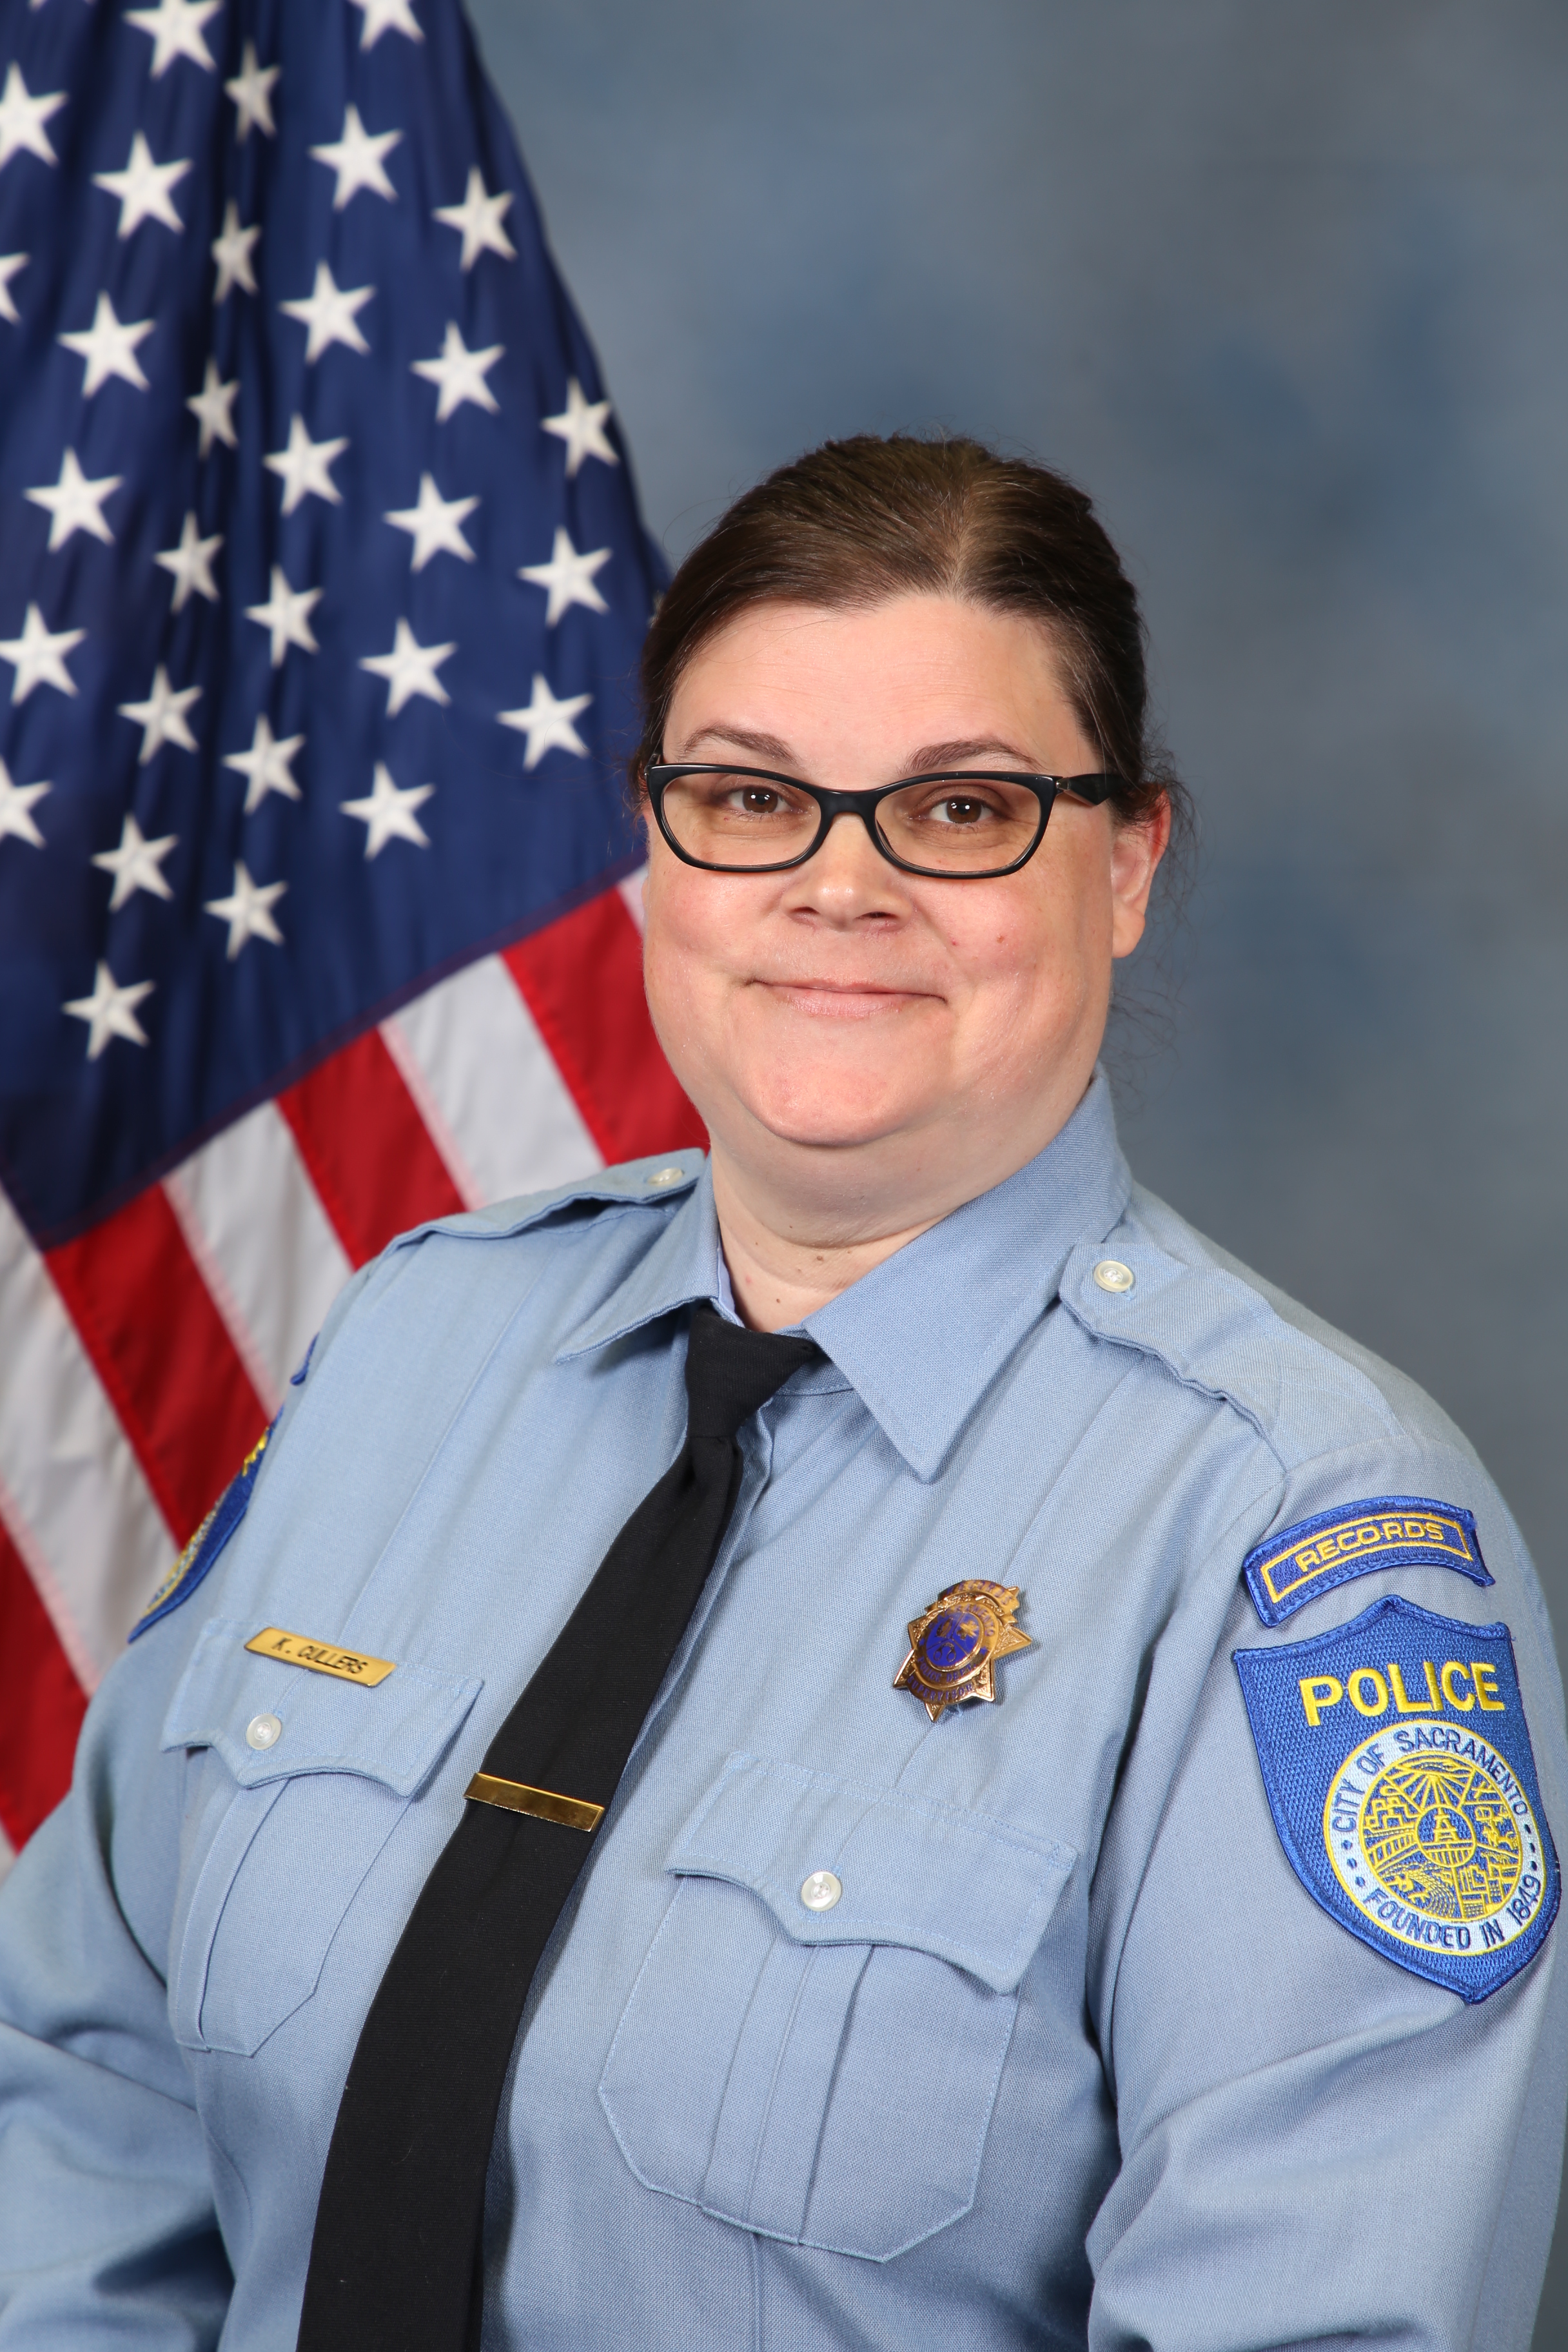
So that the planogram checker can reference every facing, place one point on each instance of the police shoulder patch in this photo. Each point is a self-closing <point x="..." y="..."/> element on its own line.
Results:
<point x="209" y="1539"/>
<point x="1287" y="1569"/>
<point x="1399" y="1771"/>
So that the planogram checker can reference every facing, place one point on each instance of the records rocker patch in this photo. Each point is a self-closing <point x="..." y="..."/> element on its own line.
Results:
<point x="1399" y="1771"/>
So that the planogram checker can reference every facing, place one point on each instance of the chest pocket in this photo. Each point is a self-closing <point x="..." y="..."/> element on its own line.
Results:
<point x="280" y="1840"/>
<point x="827" y="2076"/>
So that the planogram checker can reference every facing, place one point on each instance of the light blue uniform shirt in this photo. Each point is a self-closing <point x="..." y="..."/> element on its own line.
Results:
<point x="1074" y="2058"/>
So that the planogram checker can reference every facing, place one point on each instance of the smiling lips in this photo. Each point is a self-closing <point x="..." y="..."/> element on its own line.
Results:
<point x="842" y="1001"/>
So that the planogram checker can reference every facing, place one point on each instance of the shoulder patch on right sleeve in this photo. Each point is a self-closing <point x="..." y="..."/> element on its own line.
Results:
<point x="209" y="1539"/>
<point x="1299" y="1563"/>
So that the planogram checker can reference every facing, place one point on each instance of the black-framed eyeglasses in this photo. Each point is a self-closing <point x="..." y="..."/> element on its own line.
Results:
<point x="971" y="826"/>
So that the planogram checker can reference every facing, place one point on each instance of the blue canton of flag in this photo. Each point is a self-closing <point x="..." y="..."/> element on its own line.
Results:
<point x="321" y="579"/>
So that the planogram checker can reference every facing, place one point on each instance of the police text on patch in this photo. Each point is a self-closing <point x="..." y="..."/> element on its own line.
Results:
<point x="1397" y="1765"/>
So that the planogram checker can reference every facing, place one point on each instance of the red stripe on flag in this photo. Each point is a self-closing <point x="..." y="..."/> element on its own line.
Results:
<point x="44" y="1704"/>
<point x="161" y="1348"/>
<point x="368" y="1151"/>
<point x="582" y="981"/>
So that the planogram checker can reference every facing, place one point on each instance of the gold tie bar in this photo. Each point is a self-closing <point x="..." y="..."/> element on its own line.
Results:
<point x="517" y="1797"/>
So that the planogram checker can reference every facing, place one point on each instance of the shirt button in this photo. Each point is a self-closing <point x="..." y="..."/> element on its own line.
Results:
<point x="1111" y="1274"/>
<point x="263" y="1731"/>
<point x="662" y="1176"/>
<point x="821" y="1891"/>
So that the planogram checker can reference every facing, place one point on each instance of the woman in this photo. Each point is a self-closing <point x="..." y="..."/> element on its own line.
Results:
<point x="860" y="1742"/>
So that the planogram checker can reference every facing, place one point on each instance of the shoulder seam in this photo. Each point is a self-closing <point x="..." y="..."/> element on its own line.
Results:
<point x="1149" y="1348"/>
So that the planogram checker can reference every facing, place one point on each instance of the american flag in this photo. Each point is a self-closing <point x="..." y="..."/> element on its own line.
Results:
<point x="321" y="590"/>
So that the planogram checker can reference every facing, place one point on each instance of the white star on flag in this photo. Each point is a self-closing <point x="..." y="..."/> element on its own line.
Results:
<point x="76" y="504"/>
<point x="175" y="28"/>
<point x="409" y="669"/>
<point x="330" y="312"/>
<point x="144" y="188"/>
<point x="356" y="159"/>
<point x="386" y="17"/>
<point x="435" y="524"/>
<point x="18" y="803"/>
<point x="569" y="577"/>
<point x="302" y="467"/>
<point x="479" y="217"/>
<point x="460" y="373"/>
<point x="251" y="90"/>
<point x="547" y="723"/>
<point x="136" y="865"/>
<point x="581" y="424"/>
<point x="162" y="718"/>
<point x="387" y="813"/>
<point x="266" y="766"/>
<point x="38" y="655"/>
<point x="232" y="252"/>
<point x="213" y="408"/>
<point x="248" y="911"/>
<point x="286" y="612"/>
<point x="109" y="348"/>
<point x="109" y="1011"/>
<point x="190" y="564"/>
<point x="10" y="264"/>
<point x="23" y="117"/>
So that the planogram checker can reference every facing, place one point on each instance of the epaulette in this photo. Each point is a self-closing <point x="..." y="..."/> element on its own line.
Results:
<point x="1214" y="1331"/>
<point x="653" y="1182"/>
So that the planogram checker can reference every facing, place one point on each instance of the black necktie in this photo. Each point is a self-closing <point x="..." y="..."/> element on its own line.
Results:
<point x="395" y="2261"/>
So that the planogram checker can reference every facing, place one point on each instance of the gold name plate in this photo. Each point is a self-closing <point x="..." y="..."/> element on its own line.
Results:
<point x="322" y="1657"/>
<point x="517" y="1797"/>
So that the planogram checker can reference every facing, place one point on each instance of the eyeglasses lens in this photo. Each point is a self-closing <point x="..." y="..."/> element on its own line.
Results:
<point x="959" y="825"/>
<point x="948" y="825"/>
<point x="740" y="820"/>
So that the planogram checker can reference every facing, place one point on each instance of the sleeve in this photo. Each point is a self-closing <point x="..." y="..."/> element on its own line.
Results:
<point x="1320" y="2145"/>
<point x="114" y="2208"/>
<point x="107" y="2225"/>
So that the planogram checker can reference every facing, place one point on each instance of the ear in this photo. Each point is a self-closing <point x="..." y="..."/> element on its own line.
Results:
<point x="1135" y="854"/>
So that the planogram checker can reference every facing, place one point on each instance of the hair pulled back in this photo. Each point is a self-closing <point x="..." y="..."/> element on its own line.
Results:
<point x="858" y="521"/>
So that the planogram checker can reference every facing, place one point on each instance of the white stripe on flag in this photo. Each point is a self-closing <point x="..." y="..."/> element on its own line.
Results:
<point x="260" y="1236"/>
<point x="488" y="1091"/>
<point x="6" y="1855"/>
<point x="79" y="1509"/>
<point x="631" y="893"/>
<point x="398" y="1042"/>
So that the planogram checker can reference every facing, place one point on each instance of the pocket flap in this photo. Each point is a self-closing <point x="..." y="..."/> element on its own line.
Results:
<point x="395" y="1733"/>
<point x="932" y="1877"/>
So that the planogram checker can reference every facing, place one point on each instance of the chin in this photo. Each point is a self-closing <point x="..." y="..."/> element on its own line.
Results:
<point x="827" y="1111"/>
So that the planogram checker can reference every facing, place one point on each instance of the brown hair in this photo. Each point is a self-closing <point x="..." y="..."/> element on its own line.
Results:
<point x="855" y="523"/>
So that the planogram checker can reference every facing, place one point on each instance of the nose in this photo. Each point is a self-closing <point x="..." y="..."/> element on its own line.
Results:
<point x="848" y="880"/>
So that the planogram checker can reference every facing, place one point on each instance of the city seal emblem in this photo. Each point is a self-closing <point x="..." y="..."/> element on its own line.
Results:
<point x="1426" y="1836"/>
<point x="954" y="1644"/>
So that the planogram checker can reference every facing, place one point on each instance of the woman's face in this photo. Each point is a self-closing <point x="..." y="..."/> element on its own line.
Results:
<point x="931" y="1029"/>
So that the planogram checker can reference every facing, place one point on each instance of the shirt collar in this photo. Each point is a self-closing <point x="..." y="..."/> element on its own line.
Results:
<point x="923" y="1335"/>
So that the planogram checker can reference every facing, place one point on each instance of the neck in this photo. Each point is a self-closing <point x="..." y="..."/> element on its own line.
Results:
<point x="793" y="1237"/>
<point x="782" y="1270"/>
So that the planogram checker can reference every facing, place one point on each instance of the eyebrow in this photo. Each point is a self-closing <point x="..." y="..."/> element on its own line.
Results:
<point x="930" y="758"/>
<point x="766" y="747"/>
<point x="948" y="755"/>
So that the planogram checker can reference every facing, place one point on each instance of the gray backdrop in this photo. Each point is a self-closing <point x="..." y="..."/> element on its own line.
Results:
<point x="1282" y="287"/>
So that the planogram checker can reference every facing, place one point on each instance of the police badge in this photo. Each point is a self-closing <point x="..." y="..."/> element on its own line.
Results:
<point x="954" y="1644"/>
<point x="1399" y="1771"/>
